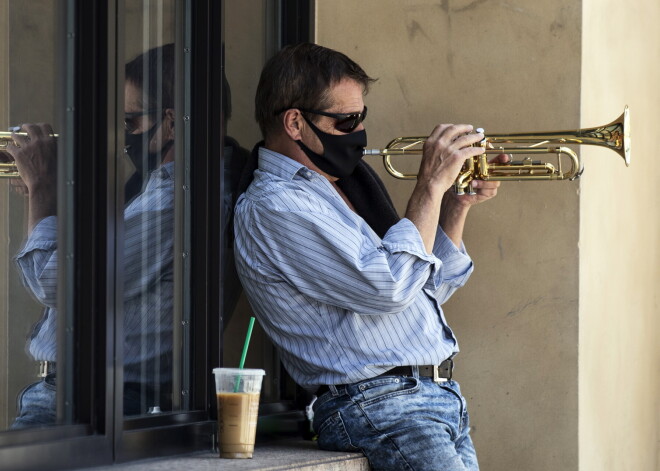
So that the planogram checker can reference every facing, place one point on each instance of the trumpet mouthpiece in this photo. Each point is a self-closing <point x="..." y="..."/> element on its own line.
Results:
<point x="371" y="152"/>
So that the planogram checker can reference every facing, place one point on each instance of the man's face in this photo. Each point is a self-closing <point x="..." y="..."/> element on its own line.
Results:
<point x="346" y="97"/>
<point x="137" y="121"/>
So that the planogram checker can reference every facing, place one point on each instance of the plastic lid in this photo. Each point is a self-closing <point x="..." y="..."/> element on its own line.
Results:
<point x="239" y="371"/>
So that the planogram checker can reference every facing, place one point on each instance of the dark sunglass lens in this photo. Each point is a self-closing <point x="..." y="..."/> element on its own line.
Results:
<point x="347" y="124"/>
<point x="129" y="124"/>
<point x="351" y="122"/>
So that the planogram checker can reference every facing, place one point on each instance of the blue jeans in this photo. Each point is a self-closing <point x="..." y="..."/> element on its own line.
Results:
<point x="37" y="404"/>
<point x="399" y="423"/>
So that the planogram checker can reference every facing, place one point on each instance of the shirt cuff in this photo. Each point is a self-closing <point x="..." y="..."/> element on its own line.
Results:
<point x="42" y="237"/>
<point x="405" y="237"/>
<point x="457" y="265"/>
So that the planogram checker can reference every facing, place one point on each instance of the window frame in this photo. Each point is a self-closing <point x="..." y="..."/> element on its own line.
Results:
<point x="91" y="49"/>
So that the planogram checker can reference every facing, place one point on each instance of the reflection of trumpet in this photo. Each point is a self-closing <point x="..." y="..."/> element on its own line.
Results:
<point x="615" y="136"/>
<point x="8" y="169"/>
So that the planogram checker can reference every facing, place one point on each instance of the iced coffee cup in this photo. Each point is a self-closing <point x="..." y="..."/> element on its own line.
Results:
<point x="238" y="392"/>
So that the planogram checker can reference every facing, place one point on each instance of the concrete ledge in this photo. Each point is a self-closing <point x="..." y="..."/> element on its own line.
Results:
<point x="271" y="456"/>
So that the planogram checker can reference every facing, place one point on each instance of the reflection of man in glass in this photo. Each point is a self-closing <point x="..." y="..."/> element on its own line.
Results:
<point x="148" y="243"/>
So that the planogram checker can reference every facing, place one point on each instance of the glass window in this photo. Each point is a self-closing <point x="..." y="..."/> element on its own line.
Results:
<point x="153" y="363"/>
<point x="31" y="280"/>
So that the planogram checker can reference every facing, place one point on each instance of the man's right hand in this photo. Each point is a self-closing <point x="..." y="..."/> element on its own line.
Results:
<point x="35" y="156"/>
<point x="444" y="153"/>
<point x="36" y="160"/>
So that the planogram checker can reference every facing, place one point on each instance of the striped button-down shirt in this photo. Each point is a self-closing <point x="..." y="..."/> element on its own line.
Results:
<point x="148" y="281"/>
<point x="340" y="303"/>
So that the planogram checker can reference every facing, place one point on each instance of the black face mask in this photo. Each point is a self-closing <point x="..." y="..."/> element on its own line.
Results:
<point x="341" y="152"/>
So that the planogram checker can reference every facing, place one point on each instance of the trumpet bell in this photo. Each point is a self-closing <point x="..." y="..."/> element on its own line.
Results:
<point x="614" y="136"/>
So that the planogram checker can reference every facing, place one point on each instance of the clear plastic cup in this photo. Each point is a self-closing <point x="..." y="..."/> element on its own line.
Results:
<point x="237" y="391"/>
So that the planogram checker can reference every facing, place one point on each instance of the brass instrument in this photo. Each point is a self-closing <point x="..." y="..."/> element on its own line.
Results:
<point x="615" y="136"/>
<point x="8" y="169"/>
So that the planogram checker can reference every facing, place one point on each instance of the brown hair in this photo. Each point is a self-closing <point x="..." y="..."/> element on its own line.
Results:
<point x="300" y="76"/>
<point x="153" y="73"/>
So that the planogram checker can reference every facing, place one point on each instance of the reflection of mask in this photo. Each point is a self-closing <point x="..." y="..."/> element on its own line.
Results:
<point x="145" y="162"/>
<point x="341" y="152"/>
<point x="137" y="148"/>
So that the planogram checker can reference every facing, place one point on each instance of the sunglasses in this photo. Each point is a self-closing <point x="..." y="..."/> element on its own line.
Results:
<point x="345" y="122"/>
<point x="132" y="118"/>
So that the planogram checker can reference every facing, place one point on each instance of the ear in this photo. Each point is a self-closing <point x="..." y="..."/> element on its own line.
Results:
<point x="168" y="124"/>
<point x="293" y="123"/>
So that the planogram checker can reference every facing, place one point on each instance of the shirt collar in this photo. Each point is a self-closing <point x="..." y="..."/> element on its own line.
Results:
<point x="282" y="166"/>
<point x="165" y="171"/>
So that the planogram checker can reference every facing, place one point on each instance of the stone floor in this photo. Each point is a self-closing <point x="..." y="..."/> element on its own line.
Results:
<point x="273" y="456"/>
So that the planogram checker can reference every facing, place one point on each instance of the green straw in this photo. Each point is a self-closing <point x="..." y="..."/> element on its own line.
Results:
<point x="244" y="354"/>
<point x="247" y="343"/>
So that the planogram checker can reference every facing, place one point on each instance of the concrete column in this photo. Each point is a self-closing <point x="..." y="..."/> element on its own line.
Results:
<point x="619" y="348"/>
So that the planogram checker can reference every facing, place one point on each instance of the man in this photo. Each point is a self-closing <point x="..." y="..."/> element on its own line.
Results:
<point x="148" y="244"/>
<point x="349" y="293"/>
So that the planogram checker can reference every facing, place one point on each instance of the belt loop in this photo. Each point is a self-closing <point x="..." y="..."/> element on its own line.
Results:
<point x="45" y="368"/>
<point x="333" y="390"/>
<point x="415" y="371"/>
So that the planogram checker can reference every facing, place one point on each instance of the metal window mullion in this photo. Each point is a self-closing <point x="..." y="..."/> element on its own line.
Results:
<point x="66" y="189"/>
<point x="181" y="343"/>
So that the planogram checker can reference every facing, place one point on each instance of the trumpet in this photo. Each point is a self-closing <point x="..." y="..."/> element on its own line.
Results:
<point x="614" y="136"/>
<point x="8" y="169"/>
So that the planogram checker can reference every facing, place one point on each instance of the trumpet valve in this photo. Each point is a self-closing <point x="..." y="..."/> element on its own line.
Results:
<point x="483" y="167"/>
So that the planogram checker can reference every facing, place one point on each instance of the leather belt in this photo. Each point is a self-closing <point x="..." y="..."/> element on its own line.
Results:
<point x="46" y="368"/>
<point x="440" y="374"/>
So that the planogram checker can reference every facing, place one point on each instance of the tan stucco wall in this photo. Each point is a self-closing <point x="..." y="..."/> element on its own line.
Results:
<point x="517" y="66"/>
<point x="247" y="47"/>
<point x="620" y="243"/>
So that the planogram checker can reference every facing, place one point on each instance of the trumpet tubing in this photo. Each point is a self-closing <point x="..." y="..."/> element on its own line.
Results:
<point x="8" y="170"/>
<point x="614" y="136"/>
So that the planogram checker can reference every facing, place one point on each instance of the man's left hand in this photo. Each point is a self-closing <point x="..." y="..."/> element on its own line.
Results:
<point x="484" y="190"/>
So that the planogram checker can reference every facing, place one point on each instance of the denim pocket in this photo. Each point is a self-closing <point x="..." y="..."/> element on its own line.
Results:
<point x="21" y="395"/>
<point x="333" y="435"/>
<point x="389" y="406"/>
<point x="387" y="387"/>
